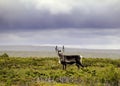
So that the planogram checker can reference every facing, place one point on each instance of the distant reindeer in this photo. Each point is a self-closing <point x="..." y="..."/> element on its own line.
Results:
<point x="68" y="59"/>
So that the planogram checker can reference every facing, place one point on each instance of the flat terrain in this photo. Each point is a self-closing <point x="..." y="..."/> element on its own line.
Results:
<point x="47" y="51"/>
<point x="36" y="71"/>
<point x="38" y="66"/>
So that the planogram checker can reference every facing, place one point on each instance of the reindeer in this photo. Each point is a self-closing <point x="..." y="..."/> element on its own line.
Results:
<point x="68" y="59"/>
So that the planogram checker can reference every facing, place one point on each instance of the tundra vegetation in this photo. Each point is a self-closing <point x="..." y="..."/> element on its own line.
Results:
<point x="33" y="71"/>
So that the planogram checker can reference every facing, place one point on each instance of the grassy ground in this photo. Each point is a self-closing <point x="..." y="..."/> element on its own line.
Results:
<point x="15" y="71"/>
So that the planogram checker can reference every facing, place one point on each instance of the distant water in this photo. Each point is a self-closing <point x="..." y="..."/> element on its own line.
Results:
<point x="49" y="51"/>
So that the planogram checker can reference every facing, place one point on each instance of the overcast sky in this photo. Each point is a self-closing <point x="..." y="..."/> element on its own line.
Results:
<point x="78" y="23"/>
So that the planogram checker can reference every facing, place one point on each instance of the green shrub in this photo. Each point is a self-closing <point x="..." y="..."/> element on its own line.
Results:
<point x="5" y="55"/>
<point x="28" y="71"/>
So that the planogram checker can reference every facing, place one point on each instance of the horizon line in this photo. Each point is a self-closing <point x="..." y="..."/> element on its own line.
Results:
<point x="61" y="45"/>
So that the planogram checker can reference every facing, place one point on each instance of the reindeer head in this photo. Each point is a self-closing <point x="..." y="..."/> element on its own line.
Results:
<point x="58" y="50"/>
<point x="60" y="53"/>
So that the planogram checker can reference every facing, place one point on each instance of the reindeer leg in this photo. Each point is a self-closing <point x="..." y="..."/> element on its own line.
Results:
<point x="81" y="64"/>
<point x="63" y="66"/>
<point x="78" y="66"/>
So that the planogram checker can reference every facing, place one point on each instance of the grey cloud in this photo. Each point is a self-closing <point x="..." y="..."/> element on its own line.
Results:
<point x="86" y="38"/>
<point x="83" y="14"/>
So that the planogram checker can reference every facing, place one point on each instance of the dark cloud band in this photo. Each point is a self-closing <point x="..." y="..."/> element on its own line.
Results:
<point x="24" y="15"/>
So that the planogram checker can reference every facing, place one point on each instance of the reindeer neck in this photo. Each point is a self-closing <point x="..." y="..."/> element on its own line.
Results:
<point x="60" y="54"/>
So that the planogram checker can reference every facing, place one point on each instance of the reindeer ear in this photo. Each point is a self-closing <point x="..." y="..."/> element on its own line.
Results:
<point x="63" y="49"/>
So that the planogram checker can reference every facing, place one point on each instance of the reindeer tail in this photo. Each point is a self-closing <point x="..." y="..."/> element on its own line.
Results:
<point x="81" y="59"/>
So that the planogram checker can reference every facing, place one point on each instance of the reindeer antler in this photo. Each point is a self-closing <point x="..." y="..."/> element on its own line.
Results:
<point x="56" y="49"/>
<point x="63" y="49"/>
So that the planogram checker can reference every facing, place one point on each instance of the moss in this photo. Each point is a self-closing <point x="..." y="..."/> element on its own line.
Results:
<point x="47" y="72"/>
